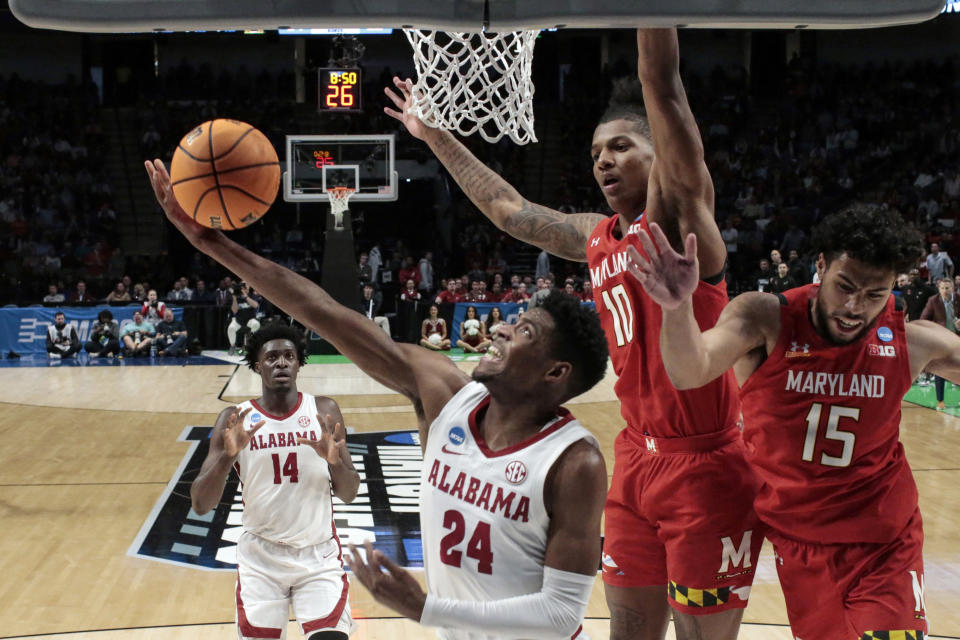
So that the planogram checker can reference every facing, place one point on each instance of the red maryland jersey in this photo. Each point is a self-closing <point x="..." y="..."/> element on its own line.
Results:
<point x="822" y="427"/>
<point x="631" y="320"/>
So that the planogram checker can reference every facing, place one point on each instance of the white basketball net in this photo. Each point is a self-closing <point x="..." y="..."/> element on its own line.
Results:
<point x="339" y="203"/>
<point x="469" y="82"/>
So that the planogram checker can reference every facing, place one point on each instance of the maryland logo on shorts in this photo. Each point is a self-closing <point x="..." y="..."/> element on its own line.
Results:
<point x="384" y="512"/>
<point x="892" y="635"/>
<point x="698" y="597"/>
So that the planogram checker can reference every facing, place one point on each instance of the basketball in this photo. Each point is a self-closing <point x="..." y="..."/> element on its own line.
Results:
<point x="225" y="174"/>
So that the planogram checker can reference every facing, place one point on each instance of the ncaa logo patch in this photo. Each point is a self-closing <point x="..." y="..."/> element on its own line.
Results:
<point x="255" y="418"/>
<point x="385" y="511"/>
<point x="516" y="472"/>
<point x="885" y="334"/>
<point x="457" y="436"/>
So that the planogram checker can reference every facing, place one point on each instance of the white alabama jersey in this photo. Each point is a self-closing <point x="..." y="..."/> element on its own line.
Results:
<point x="482" y="516"/>
<point x="286" y="486"/>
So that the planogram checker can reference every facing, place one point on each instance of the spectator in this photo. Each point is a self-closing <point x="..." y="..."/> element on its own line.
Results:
<point x="730" y="237"/>
<point x="410" y="293"/>
<point x="473" y="337"/>
<point x="782" y="281"/>
<point x="201" y="295"/>
<point x="223" y="295"/>
<point x="104" y="336"/>
<point x="137" y="336"/>
<point x="544" y="287"/>
<point x="587" y="294"/>
<point x="80" y="295"/>
<point x="139" y="292"/>
<point x="477" y="294"/>
<point x="433" y="331"/>
<point x="763" y="276"/>
<point x="53" y="295"/>
<point x="494" y="320"/>
<point x="409" y="271"/>
<point x="177" y="294"/>
<point x="518" y="293"/>
<point x="62" y="338"/>
<point x="916" y="293"/>
<point x="570" y="289"/>
<point x="450" y="295"/>
<point x="943" y="308"/>
<point x="543" y="265"/>
<point x="370" y="307"/>
<point x="496" y="293"/>
<point x="171" y="335"/>
<point x="376" y="261"/>
<point x="939" y="264"/>
<point x="364" y="270"/>
<point x="119" y="294"/>
<point x="775" y="259"/>
<point x="426" y="273"/>
<point x="152" y="308"/>
<point x="243" y="317"/>
<point x="185" y="287"/>
<point x="799" y="269"/>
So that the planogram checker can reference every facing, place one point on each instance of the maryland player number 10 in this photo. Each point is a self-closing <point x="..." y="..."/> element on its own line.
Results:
<point x="339" y="89"/>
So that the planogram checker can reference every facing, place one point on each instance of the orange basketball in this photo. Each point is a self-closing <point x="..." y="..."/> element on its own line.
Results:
<point x="225" y="174"/>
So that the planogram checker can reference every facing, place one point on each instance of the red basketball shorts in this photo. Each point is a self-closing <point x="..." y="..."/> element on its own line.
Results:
<point x="853" y="591"/>
<point x="680" y="513"/>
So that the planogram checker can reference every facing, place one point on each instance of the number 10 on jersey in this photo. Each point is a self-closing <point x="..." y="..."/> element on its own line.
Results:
<point x="617" y="301"/>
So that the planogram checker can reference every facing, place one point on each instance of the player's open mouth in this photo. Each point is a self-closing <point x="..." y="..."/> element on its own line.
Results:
<point x="848" y="325"/>
<point x="493" y="354"/>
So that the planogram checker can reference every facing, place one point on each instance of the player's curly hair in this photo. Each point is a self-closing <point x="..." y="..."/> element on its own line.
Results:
<point x="578" y="339"/>
<point x="876" y="236"/>
<point x="626" y="103"/>
<point x="274" y="332"/>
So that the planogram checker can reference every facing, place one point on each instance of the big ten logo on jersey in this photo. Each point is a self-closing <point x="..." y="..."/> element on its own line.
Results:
<point x="384" y="512"/>
<point x="882" y="350"/>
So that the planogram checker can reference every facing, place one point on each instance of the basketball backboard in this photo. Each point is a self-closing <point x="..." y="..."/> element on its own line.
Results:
<point x="464" y="15"/>
<point x="316" y="163"/>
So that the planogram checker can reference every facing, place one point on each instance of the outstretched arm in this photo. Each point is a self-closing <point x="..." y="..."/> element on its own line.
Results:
<point x="562" y="234"/>
<point x="933" y="349"/>
<point x="692" y="357"/>
<point x="680" y="193"/>
<point x="424" y="377"/>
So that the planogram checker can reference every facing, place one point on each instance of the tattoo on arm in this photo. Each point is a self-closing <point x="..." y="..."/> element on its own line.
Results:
<point x="480" y="183"/>
<point x="563" y="235"/>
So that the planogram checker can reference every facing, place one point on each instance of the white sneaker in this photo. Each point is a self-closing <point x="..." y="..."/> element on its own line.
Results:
<point x="55" y="356"/>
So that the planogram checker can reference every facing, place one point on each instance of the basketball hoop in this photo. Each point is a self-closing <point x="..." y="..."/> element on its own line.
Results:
<point x="339" y="204"/>
<point x="468" y="82"/>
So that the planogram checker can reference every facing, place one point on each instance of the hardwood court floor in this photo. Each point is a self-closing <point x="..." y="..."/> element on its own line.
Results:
<point x="87" y="452"/>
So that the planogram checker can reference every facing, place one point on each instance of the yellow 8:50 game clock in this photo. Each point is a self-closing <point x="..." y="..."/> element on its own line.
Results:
<point x="339" y="89"/>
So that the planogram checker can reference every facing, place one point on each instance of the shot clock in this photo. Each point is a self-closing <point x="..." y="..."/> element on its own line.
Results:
<point x="339" y="89"/>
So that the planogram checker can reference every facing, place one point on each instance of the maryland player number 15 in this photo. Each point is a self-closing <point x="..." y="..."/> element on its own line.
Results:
<point x="339" y="89"/>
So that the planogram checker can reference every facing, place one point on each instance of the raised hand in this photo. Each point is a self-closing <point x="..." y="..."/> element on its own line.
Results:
<point x="235" y="437"/>
<point x="394" y="587"/>
<point x="668" y="277"/>
<point x="413" y="124"/>
<point x="162" y="189"/>
<point x="332" y="440"/>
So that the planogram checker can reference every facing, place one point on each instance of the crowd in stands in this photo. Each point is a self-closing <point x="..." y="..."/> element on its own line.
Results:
<point x="885" y="133"/>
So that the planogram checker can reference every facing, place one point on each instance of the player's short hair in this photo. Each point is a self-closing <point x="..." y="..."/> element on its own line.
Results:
<point x="876" y="236"/>
<point x="626" y="103"/>
<point x="578" y="339"/>
<point x="274" y="332"/>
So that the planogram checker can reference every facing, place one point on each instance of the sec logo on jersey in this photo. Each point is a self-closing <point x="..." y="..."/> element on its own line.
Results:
<point x="304" y="421"/>
<point x="516" y="472"/>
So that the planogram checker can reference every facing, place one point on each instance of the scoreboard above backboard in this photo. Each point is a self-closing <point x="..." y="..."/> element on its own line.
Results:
<point x="339" y="89"/>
